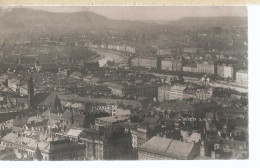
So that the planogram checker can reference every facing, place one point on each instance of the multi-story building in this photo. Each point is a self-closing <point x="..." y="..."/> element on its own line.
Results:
<point x="72" y="134"/>
<point x="146" y="62"/>
<point x="121" y="47"/>
<point x="204" y="93"/>
<point x="107" y="144"/>
<point x="66" y="150"/>
<point x="121" y="112"/>
<point x="130" y="49"/>
<point x="190" y="50"/>
<point x="225" y="71"/>
<point x="116" y="89"/>
<point x="228" y="72"/>
<point x="92" y="45"/>
<point x="162" y="148"/>
<point x="103" y="46"/>
<point x="94" y="144"/>
<point x="177" y="92"/>
<point x="25" y="148"/>
<point x="111" y="120"/>
<point x="172" y="92"/>
<point x="220" y="70"/>
<point x="190" y="68"/>
<point x="145" y="90"/>
<point x="242" y="77"/>
<point x="108" y="108"/>
<point x="112" y="46"/>
<point x="206" y="67"/>
<point x="140" y="136"/>
<point x="163" y="52"/>
<point x="171" y="64"/>
<point x="166" y="64"/>
<point x="164" y="93"/>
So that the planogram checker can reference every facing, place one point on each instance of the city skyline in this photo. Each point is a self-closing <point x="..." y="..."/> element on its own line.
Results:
<point x="79" y="86"/>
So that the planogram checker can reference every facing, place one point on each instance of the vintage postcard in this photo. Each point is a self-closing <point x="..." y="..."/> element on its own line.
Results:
<point x="84" y="83"/>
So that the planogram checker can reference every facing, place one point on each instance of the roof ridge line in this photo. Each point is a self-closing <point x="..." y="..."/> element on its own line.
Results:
<point x="168" y="145"/>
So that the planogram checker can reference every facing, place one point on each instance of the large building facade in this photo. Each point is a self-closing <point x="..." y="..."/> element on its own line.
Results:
<point x="25" y="148"/>
<point x="190" y="68"/>
<point x="177" y="92"/>
<point x="140" y="136"/>
<point x="146" y="62"/>
<point x="204" y="93"/>
<point x="206" y="67"/>
<point x="171" y="64"/>
<point x="166" y="93"/>
<point x="242" y="77"/>
<point x="107" y="144"/>
<point x="162" y="148"/>
<point x="225" y="71"/>
<point x="163" y="52"/>
<point x="146" y="90"/>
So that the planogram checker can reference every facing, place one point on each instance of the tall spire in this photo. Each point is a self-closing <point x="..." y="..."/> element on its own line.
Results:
<point x="30" y="91"/>
<point x="38" y="155"/>
<point x="72" y="118"/>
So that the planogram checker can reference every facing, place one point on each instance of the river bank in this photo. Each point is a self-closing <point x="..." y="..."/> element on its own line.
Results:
<point x="111" y="55"/>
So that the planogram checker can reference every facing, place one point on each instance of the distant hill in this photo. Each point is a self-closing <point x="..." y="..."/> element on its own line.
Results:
<point x="30" y="20"/>
<point x="209" y="21"/>
<point x="26" y="21"/>
<point x="21" y="19"/>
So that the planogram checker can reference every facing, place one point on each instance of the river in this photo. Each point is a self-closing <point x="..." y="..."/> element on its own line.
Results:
<point x="109" y="55"/>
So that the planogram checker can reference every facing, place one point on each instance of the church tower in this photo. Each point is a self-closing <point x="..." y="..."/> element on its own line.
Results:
<point x="30" y="91"/>
<point x="37" y="154"/>
<point x="72" y="118"/>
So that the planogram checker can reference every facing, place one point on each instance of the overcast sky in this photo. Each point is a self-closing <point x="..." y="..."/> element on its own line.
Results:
<point x="153" y="13"/>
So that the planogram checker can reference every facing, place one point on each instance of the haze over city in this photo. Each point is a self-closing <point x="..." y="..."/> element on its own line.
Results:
<point x="123" y="83"/>
<point x="150" y="13"/>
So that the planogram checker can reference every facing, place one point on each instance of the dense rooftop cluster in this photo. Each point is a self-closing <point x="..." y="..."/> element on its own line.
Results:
<point x="108" y="94"/>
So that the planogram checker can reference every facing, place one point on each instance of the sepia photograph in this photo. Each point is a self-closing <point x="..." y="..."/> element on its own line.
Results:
<point x="84" y="83"/>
